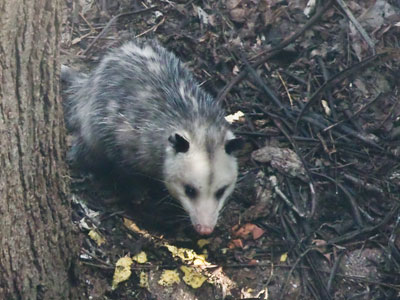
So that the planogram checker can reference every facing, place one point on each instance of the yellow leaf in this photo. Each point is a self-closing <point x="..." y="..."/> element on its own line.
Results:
<point x="234" y="117"/>
<point x="132" y="226"/>
<point x="122" y="271"/>
<point x="141" y="257"/>
<point x="169" y="277"/>
<point x="144" y="280"/>
<point x="192" y="277"/>
<point x="283" y="257"/>
<point x="188" y="255"/>
<point x="202" y="242"/>
<point x="200" y="260"/>
<point x="95" y="236"/>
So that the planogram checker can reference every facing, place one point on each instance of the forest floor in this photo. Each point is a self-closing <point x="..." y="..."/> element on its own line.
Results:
<point x="315" y="214"/>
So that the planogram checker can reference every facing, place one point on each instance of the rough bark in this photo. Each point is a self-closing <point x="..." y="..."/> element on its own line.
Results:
<point x="36" y="244"/>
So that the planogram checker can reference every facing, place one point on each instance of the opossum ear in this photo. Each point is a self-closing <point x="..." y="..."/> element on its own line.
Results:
<point x="179" y="143"/>
<point x="233" y="146"/>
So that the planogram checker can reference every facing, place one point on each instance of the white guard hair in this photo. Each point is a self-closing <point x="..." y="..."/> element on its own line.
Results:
<point x="133" y="108"/>
<point x="207" y="173"/>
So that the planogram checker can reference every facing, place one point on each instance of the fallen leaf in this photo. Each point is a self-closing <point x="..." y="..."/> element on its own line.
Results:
<point x="319" y="242"/>
<point x="202" y="242"/>
<point x="283" y="159"/>
<point x="140" y="258"/>
<point x="76" y="40"/>
<point x="326" y="107"/>
<point x="122" y="271"/>
<point x="283" y="257"/>
<point x="95" y="236"/>
<point x="192" y="277"/>
<point x="133" y="227"/>
<point x="249" y="230"/>
<point x="169" y="277"/>
<point x="310" y="8"/>
<point x="237" y="243"/>
<point x="188" y="255"/>
<point x="144" y="280"/>
<point x="234" y="117"/>
<point x="257" y="232"/>
<point x="244" y="231"/>
<point x="253" y="262"/>
<point x="230" y="4"/>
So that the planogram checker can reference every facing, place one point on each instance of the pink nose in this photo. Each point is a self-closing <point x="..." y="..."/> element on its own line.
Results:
<point x="203" y="230"/>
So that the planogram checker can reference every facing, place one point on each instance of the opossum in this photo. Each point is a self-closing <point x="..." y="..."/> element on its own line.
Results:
<point x="141" y="109"/>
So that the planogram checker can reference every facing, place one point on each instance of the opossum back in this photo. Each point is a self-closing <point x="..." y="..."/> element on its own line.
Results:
<point x="134" y="100"/>
<point x="148" y="93"/>
<point x="72" y="82"/>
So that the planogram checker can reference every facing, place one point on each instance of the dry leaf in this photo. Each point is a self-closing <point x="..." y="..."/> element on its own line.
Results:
<point x="257" y="232"/>
<point x="283" y="257"/>
<point x="140" y="258"/>
<point x="95" y="236"/>
<point x="202" y="242"/>
<point x="237" y="243"/>
<point x="144" y="280"/>
<point x="283" y="159"/>
<point x="122" y="271"/>
<point x="192" y="277"/>
<point x="188" y="255"/>
<point x="234" y="117"/>
<point x="169" y="277"/>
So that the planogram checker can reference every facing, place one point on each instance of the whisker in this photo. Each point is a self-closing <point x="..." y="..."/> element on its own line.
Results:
<point x="163" y="199"/>
<point x="176" y="205"/>
<point x="172" y="202"/>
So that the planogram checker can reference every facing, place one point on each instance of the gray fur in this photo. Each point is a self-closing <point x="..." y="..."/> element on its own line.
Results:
<point x="124" y="111"/>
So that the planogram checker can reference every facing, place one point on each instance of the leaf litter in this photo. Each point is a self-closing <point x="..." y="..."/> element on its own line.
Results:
<point x="316" y="207"/>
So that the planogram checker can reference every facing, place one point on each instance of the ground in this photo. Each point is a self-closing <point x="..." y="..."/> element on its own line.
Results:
<point x="315" y="214"/>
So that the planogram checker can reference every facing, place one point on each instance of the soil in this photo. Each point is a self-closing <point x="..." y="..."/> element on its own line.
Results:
<point x="315" y="214"/>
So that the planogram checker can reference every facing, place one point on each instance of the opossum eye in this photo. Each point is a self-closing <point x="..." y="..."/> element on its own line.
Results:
<point x="234" y="145"/>
<point x="190" y="191"/>
<point x="220" y="192"/>
<point x="179" y="143"/>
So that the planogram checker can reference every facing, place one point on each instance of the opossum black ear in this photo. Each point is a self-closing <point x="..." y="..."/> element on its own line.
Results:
<point x="179" y="143"/>
<point x="234" y="145"/>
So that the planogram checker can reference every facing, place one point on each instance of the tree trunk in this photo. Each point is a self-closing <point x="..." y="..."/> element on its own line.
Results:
<point x="37" y="252"/>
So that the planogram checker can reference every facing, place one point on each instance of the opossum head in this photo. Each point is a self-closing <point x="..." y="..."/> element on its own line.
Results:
<point x="201" y="177"/>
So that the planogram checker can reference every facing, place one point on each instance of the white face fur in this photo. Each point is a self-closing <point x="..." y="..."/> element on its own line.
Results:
<point x="201" y="182"/>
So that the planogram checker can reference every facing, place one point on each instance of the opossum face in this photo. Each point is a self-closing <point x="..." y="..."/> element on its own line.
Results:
<point x="200" y="180"/>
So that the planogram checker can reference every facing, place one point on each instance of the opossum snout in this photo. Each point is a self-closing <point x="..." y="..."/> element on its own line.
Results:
<point x="203" y="229"/>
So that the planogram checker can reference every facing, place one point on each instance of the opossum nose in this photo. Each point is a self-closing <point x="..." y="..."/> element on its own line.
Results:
<point x="203" y="230"/>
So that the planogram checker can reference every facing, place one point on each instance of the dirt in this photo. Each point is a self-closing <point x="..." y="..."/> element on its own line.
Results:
<point x="315" y="214"/>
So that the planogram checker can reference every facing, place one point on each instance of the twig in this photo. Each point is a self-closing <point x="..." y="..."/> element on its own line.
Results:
<point x="363" y="279"/>
<point x="357" y="25"/>
<point x="365" y="230"/>
<point x="301" y="256"/>
<point x="153" y="28"/>
<point x="87" y="22"/>
<point x="368" y="186"/>
<point x="334" y="271"/>
<point x="111" y="22"/>
<point x="394" y="106"/>
<point x="352" y="201"/>
<point x="291" y="75"/>
<point x="274" y="51"/>
<point x="274" y="184"/>
<point x="328" y="93"/>
<point x="259" y="81"/>
<point x="335" y="79"/>
<point x="356" y="113"/>
<point x="312" y="120"/>
<point x="286" y="89"/>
